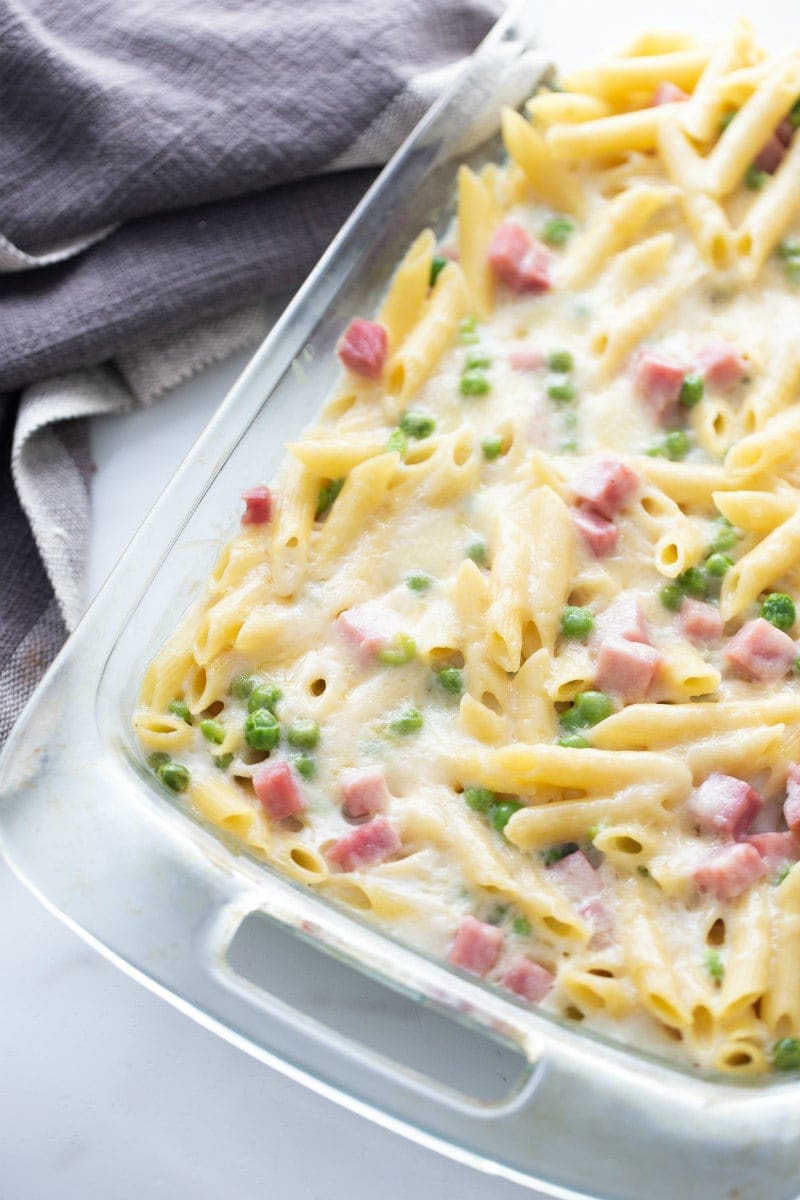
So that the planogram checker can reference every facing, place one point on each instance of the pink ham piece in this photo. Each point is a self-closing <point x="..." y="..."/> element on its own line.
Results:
<point x="623" y="618"/>
<point x="729" y="870"/>
<point x="658" y="380"/>
<point x="368" y="627"/>
<point x="784" y="132"/>
<point x="258" y="502"/>
<point x="525" y="359"/>
<point x="577" y="876"/>
<point x="477" y="946"/>
<point x="599" y="535"/>
<point x="528" y="979"/>
<point x="720" y="363"/>
<point x="606" y="486"/>
<point x="761" y="652"/>
<point x="626" y="669"/>
<point x="770" y="156"/>
<point x="366" y="846"/>
<point x="724" y="805"/>
<point x="364" y="792"/>
<point x="791" y="809"/>
<point x="278" y="790"/>
<point x="518" y="261"/>
<point x="776" y="849"/>
<point x="668" y="93"/>
<point x="699" y="621"/>
<point x="363" y="348"/>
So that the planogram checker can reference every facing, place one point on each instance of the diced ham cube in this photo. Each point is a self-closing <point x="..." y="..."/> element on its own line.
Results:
<point x="258" y="510"/>
<point x="364" y="792"/>
<point x="366" y="846"/>
<point x="775" y="849"/>
<point x="784" y="131"/>
<point x="700" y="621"/>
<point x="626" y="669"/>
<point x="668" y="93"/>
<point x="770" y="156"/>
<point x="658" y="380"/>
<point x="576" y="876"/>
<point x="599" y="535"/>
<point x="477" y="946"/>
<point x="623" y="618"/>
<point x="525" y="359"/>
<point x="729" y="870"/>
<point x="278" y="790"/>
<point x="720" y="363"/>
<point x="368" y="627"/>
<point x="791" y="809"/>
<point x="596" y="913"/>
<point x="528" y="979"/>
<point x="761" y="652"/>
<point x="725" y="805"/>
<point x="518" y="261"/>
<point x="363" y="348"/>
<point x="606" y="486"/>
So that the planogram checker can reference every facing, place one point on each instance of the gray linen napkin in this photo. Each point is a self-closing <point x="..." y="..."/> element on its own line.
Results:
<point x="162" y="166"/>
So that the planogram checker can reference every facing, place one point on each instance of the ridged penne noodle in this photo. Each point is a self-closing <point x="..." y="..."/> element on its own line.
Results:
<point x="658" y="725"/>
<point x="543" y="173"/>
<point x="423" y="346"/>
<point x="755" y="571"/>
<point x="617" y="226"/>
<point x="403" y="306"/>
<point x="478" y="215"/>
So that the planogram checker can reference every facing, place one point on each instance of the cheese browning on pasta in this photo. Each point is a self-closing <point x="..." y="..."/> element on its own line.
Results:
<point x="505" y="657"/>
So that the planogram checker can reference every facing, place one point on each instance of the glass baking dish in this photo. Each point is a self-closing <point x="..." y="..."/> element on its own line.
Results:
<point x="162" y="895"/>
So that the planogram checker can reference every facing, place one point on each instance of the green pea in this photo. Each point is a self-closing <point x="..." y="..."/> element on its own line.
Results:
<point x="473" y="383"/>
<point x="779" y="610"/>
<point x="492" y="447"/>
<point x="792" y="269"/>
<point x="562" y="390"/>
<point x="755" y="179"/>
<point x="556" y="230"/>
<point x="521" y="926"/>
<point x="397" y="442"/>
<point x="726" y="119"/>
<point x="401" y="651"/>
<point x="676" y="445"/>
<point x="726" y="536"/>
<point x="671" y="597"/>
<point x="264" y="695"/>
<point x="417" y="425"/>
<point x="242" y="686"/>
<point x="572" y="719"/>
<point x="174" y="776"/>
<point x="438" y="264"/>
<point x="326" y="496"/>
<point x="782" y="873"/>
<point x="786" y="1054"/>
<point x="479" y="553"/>
<point x="223" y="761"/>
<point x="478" y="360"/>
<point x="213" y="731"/>
<point x="797" y="664"/>
<point x="305" y="766"/>
<point x="717" y="564"/>
<point x="158" y="759"/>
<point x="554" y="854"/>
<point x="303" y="733"/>
<point x="406" y="720"/>
<point x="180" y="709"/>
<point x="502" y="812"/>
<point x="479" y="799"/>
<point x="593" y="706"/>
<point x="789" y="248"/>
<point x="560" y="361"/>
<point x="452" y="680"/>
<point x="573" y="741"/>
<point x="692" y="389"/>
<point x="467" y="325"/>
<point x="714" y="965"/>
<point x="693" y="582"/>
<point x="576" y="622"/>
<point x="794" y="115"/>
<point x="418" y="581"/>
<point x="261" y="730"/>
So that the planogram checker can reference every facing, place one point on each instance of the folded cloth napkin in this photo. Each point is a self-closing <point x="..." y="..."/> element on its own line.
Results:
<point x="163" y="165"/>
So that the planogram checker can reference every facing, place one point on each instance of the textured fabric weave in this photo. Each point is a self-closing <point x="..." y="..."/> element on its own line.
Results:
<point x="164" y="168"/>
